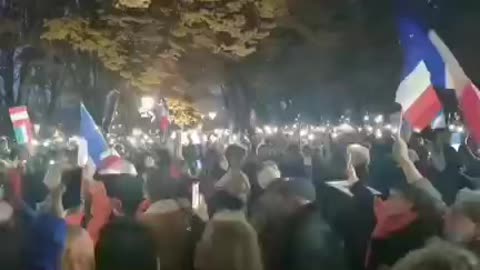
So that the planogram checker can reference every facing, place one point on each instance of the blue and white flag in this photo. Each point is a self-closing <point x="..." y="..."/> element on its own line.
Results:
<point x="97" y="145"/>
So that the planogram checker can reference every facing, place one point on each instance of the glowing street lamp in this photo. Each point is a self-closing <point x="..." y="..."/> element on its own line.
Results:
<point x="379" y="119"/>
<point x="212" y="115"/>
<point x="147" y="103"/>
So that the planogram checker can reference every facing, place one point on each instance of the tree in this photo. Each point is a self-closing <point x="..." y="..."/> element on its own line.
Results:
<point x="145" y="41"/>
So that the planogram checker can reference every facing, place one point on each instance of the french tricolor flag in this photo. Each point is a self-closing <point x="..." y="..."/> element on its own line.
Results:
<point x="418" y="98"/>
<point x="467" y="93"/>
<point x="424" y="73"/>
<point x="105" y="159"/>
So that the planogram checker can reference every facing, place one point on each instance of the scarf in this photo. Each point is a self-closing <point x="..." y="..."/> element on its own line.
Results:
<point x="390" y="219"/>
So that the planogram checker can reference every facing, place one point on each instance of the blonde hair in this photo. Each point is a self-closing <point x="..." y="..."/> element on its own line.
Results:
<point x="79" y="250"/>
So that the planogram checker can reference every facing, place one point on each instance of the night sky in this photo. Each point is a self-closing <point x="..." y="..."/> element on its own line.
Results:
<point x="352" y="61"/>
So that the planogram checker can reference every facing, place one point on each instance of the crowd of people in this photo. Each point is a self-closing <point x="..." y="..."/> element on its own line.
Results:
<point x="345" y="204"/>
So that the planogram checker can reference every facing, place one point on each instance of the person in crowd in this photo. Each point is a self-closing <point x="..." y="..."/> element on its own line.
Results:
<point x="267" y="174"/>
<point x="444" y="167"/>
<point x="292" y="164"/>
<point x="125" y="244"/>
<point x="439" y="255"/>
<point x="235" y="181"/>
<point x="168" y="218"/>
<point x="360" y="159"/>
<point x="295" y="236"/>
<point x="229" y="241"/>
<point x="406" y="219"/>
<point x="79" y="251"/>
<point x="307" y="154"/>
<point x="470" y="169"/>
<point x="10" y="238"/>
<point x="46" y="240"/>
<point x="339" y="207"/>
<point x="463" y="220"/>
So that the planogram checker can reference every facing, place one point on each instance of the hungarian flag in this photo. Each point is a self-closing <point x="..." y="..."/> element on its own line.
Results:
<point x="21" y="124"/>
<point x="467" y="93"/>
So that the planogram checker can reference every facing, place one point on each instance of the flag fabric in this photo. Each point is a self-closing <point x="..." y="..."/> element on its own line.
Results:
<point x="22" y="126"/>
<point x="105" y="159"/>
<point x="467" y="93"/>
<point x="420" y="103"/>
<point x="439" y="122"/>
<point x="96" y="143"/>
<point x="425" y="73"/>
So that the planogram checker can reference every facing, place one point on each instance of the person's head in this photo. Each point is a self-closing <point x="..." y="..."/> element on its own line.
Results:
<point x="307" y="151"/>
<point x="404" y="197"/>
<point x="160" y="186"/>
<point x="263" y="152"/>
<point x="436" y="256"/>
<point x="126" y="190"/>
<point x="360" y="159"/>
<point x="291" y="194"/>
<point x="79" y="250"/>
<point x="235" y="155"/>
<point x="336" y="167"/>
<point x="125" y="244"/>
<point x="462" y="222"/>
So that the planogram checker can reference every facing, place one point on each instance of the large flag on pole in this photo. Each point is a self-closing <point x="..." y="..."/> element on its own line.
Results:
<point x="467" y="93"/>
<point x="97" y="145"/>
<point x="424" y="71"/>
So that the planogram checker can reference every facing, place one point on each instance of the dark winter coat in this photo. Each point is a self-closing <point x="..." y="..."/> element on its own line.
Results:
<point x="311" y="243"/>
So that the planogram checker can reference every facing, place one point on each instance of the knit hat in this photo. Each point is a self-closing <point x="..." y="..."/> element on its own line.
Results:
<point x="468" y="204"/>
<point x="268" y="174"/>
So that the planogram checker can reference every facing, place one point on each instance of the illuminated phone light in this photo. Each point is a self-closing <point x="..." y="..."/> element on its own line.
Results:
<point x="379" y="119"/>
<point x="136" y="132"/>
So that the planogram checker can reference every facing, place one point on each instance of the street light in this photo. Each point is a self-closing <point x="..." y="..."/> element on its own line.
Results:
<point x="212" y="115"/>
<point x="147" y="103"/>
